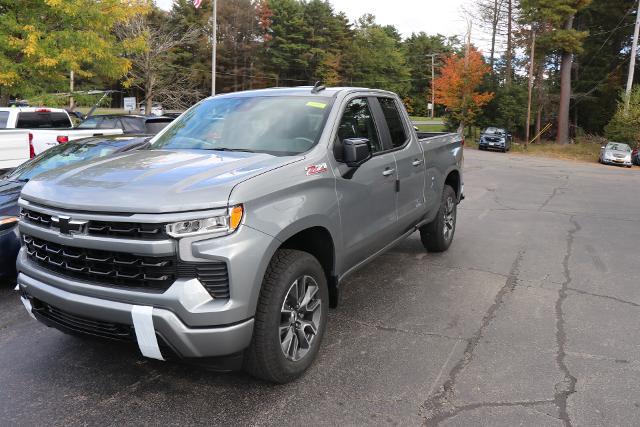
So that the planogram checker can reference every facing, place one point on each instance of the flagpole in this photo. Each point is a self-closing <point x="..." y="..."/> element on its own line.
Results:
<point x="214" y="45"/>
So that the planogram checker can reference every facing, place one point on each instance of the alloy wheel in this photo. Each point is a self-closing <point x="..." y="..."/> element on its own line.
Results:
<point x="300" y="318"/>
<point x="449" y="218"/>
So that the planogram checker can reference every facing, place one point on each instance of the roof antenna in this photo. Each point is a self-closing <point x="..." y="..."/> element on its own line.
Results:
<point x="318" y="87"/>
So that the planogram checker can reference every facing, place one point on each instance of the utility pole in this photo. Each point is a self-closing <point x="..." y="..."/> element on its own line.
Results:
<point x="433" y="84"/>
<point x="533" y="53"/>
<point x="632" y="62"/>
<point x="214" y="45"/>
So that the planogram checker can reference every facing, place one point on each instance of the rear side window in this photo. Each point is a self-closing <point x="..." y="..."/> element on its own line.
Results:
<point x="155" y="126"/>
<point x="4" y="118"/>
<point x="132" y="125"/>
<point x="110" y="123"/>
<point x="394" y="121"/>
<point x="42" y="120"/>
<point x="357" y="122"/>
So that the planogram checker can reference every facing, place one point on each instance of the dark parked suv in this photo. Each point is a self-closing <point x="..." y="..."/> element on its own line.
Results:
<point x="495" y="139"/>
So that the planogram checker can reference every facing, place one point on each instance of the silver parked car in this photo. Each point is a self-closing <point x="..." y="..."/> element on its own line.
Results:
<point x="616" y="153"/>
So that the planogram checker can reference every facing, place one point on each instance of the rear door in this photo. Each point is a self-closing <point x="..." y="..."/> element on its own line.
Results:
<point x="366" y="198"/>
<point x="409" y="162"/>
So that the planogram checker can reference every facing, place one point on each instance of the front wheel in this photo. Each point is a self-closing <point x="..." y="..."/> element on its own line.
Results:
<point x="438" y="234"/>
<point x="290" y="318"/>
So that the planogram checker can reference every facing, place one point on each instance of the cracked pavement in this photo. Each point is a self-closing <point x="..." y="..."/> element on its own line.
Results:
<point x="531" y="318"/>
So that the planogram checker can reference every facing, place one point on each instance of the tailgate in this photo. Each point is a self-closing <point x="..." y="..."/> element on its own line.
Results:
<point x="14" y="148"/>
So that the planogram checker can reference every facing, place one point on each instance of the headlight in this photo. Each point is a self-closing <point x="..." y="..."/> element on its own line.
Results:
<point x="218" y="225"/>
<point x="7" y="222"/>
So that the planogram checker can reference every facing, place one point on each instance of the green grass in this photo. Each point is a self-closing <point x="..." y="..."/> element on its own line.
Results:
<point x="586" y="152"/>
<point x="85" y="110"/>
<point x="431" y="128"/>
<point x="583" y="152"/>
<point x="423" y="119"/>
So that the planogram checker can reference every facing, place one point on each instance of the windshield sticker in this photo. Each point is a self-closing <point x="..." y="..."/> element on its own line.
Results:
<point x="314" y="104"/>
<point x="316" y="169"/>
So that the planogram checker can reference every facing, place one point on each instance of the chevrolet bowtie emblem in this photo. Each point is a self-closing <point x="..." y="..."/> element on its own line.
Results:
<point x="67" y="225"/>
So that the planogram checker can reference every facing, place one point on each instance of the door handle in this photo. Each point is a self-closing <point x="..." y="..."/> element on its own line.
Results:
<point x="388" y="171"/>
<point x="417" y="162"/>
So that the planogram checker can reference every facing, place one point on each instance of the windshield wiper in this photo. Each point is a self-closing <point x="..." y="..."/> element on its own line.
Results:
<point x="243" y="150"/>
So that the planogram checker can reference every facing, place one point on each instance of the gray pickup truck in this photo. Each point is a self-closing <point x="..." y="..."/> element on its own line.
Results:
<point x="231" y="235"/>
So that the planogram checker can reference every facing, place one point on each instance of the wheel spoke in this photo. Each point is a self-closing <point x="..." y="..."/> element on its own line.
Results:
<point x="286" y="341"/>
<point x="305" y="343"/>
<point x="308" y="295"/>
<point x="294" y="346"/>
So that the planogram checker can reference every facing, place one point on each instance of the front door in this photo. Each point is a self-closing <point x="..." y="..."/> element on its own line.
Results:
<point x="368" y="198"/>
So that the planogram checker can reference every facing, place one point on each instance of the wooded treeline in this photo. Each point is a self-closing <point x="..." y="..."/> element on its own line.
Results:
<point x="579" y="70"/>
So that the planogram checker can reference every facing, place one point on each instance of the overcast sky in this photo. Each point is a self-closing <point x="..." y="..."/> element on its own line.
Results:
<point x="430" y="16"/>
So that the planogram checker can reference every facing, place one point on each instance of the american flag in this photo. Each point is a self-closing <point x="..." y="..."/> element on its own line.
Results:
<point x="197" y="3"/>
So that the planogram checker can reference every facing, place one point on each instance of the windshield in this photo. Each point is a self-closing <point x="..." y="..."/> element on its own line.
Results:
<point x="618" y="147"/>
<point x="58" y="156"/>
<point x="494" y="131"/>
<point x="277" y="125"/>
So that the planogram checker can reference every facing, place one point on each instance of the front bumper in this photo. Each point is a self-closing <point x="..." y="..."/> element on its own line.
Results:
<point x="616" y="163"/>
<point x="491" y="146"/>
<point x="184" y="341"/>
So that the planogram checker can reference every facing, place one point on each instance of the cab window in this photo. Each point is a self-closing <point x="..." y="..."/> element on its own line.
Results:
<point x="394" y="122"/>
<point x="357" y="122"/>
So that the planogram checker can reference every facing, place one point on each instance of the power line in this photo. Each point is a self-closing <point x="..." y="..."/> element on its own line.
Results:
<point x="617" y="27"/>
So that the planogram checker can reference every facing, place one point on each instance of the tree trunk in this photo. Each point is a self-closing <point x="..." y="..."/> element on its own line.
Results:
<point x="508" y="56"/>
<point x="4" y="97"/>
<point x="538" y="124"/>
<point x="539" y="97"/>
<point x="494" y="31"/>
<point x="565" y="91"/>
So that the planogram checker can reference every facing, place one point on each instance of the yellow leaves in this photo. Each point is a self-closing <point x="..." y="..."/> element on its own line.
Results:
<point x="8" y="78"/>
<point x="136" y="44"/>
<point x="47" y="62"/>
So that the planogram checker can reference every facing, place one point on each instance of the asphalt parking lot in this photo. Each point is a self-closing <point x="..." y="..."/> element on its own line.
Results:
<point x="531" y="318"/>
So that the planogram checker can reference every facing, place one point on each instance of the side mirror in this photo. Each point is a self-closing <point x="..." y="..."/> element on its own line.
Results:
<point x="356" y="151"/>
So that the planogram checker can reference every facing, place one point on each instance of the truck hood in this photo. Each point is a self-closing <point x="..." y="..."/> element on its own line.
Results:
<point x="150" y="181"/>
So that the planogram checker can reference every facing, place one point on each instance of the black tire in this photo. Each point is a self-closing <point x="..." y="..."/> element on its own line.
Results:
<point x="265" y="358"/>
<point x="433" y="235"/>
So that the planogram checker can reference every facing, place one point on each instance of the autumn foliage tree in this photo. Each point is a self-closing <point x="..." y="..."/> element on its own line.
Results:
<point x="41" y="41"/>
<point x="457" y="86"/>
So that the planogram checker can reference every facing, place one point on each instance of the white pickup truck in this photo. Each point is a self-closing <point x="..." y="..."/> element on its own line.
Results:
<point x="45" y="127"/>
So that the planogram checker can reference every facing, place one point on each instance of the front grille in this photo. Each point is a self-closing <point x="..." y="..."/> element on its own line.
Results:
<point x="75" y="323"/>
<point x="129" y="230"/>
<point x="112" y="268"/>
<point x="125" y="270"/>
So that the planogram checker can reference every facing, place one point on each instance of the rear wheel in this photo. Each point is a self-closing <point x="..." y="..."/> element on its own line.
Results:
<point x="290" y="318"/>
<point x="438" y="234"/>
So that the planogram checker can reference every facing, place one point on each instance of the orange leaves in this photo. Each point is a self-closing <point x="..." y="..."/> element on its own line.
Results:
<point x="456" y="87"/>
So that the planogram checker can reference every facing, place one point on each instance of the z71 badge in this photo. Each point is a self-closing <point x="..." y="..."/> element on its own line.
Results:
<point x="316" y="169"/>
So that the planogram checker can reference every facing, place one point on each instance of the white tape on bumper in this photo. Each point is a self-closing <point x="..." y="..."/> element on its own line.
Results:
<point x="142" y="317"/>
<point x="27" y="305"/>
